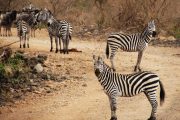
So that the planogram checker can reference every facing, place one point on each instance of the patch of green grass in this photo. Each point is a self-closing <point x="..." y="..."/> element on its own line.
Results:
<point x="177" y="33"/>
<point x="2" y="70"/>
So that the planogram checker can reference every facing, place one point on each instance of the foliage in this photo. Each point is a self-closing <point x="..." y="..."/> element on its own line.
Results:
<point x="176" y="31"/>
<point x="2" y="70"/>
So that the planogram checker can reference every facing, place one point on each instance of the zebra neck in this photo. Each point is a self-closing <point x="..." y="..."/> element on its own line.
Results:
<point x="103" y="76"/>
<point x="145" y="36"/>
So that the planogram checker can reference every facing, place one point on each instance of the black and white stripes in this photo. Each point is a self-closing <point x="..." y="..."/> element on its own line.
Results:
<point x="130" y="43"/>
<point x="129" y="85"/>
<point x="23" y="27"/>
<point x="58" y="29"/>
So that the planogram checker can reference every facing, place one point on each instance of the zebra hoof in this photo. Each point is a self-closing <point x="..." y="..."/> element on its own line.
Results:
<point x="51" y="50"/>
<point x="113" y="118"/>
<point x="28" y="45"/>
<point x="24" y="46"/>
<point x="20" y="46"/>
<point x="56" y="51"/>
<point x="152" y="118"/>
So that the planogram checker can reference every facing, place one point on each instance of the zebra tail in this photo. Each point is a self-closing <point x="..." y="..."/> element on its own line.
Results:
<point x="107" y="50"/>
<point x="162" y="93"/>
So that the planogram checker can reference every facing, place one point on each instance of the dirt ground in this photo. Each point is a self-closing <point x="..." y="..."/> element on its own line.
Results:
<point x="81" y="97"/>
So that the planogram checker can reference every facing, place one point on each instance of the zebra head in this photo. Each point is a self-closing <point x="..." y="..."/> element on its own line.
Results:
<point x="44" y="15"/>
<point x="152" y="28"/>
<point x="51" y="20"/>
<point x="98" y="65"/>
<point x="33" y="18"/>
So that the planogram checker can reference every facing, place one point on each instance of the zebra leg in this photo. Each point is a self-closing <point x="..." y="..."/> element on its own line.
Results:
<point x="67" y="44"/>
<point x="113" y="51"/>
<point x="20" y="37"/>
<point x="51" y="40"/>
<point x="64" y="45"/>
<point x="137" y="67"/>
<point x="113" y="106"/>
<point x="27" y="38"/>
<point x="34" y="33"/>
<point x="24" y="40"/>
<point x="152" y="99"/>
<point x="56" y="41"/>
<point x="60" y="44"/>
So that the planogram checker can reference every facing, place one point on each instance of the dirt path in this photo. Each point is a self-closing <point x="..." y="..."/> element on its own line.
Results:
<point x="84" y="99"/>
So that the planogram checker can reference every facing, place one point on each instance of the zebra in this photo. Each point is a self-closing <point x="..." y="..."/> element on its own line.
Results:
<point x="7" y="19"/>
<point x="28" y="9"/>
<point x="130" y="43"/>
<point x="128" y="85"/>
<point x="23" y="24"/>
<point x="60" y="29"/>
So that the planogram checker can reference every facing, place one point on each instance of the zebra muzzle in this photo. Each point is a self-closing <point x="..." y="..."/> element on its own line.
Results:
<point x="48" y="24"/>
<point x="154" y="33"/>
<point x="97" y="72"/>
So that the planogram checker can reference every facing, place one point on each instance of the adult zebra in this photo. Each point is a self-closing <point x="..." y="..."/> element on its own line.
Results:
<point x="129" y="85"/>
<point x="61" y="29"/>
<point x="131" y="43"/>
<point x="23" y="24"/>
<point x="58" y="29"/>
<point x="28" y="9"/>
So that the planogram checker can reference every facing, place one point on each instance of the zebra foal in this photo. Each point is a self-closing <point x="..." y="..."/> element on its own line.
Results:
<point x="130" y="43"/>
<point x="129" y="85"/>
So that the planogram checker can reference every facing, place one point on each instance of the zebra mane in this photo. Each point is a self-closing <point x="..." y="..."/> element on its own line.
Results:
<point x="107" y="67"/>
<point x="145" y="34"/>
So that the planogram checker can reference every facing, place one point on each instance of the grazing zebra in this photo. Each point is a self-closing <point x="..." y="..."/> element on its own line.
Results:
<point x="131" y="43"/>
<point x="6" y="21"/>
<point x="58" y="29"/>
<point x="129" y="85"/>
<point x="23" y="27"/>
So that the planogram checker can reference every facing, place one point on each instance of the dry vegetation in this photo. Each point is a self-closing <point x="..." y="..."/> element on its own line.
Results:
<point x="120" y="15"/>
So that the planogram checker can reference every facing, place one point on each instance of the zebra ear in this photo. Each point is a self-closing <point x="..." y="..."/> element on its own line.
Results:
<point x="152" y="21"/>
<point x="100" y="59"/>
<point x="94" y="57"/>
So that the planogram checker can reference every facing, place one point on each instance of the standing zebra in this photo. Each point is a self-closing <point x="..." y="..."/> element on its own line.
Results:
<point x="23" y="27"/>
<point x="129" y="85"/>
<point x="28" y="9"/>
<point x="131" y="43"/>
<point x="58" y="29"/>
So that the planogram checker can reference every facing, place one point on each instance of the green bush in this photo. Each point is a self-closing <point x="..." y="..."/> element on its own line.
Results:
<point x="177" y="33"/>
<point x="15" y="62"/>
<point x="2" y="70"/>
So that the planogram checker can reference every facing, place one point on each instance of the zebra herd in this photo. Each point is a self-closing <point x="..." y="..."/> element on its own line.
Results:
<point x="128" y="85"/>
<point x="114" y="84"/>
<point x="27" y="20"/>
